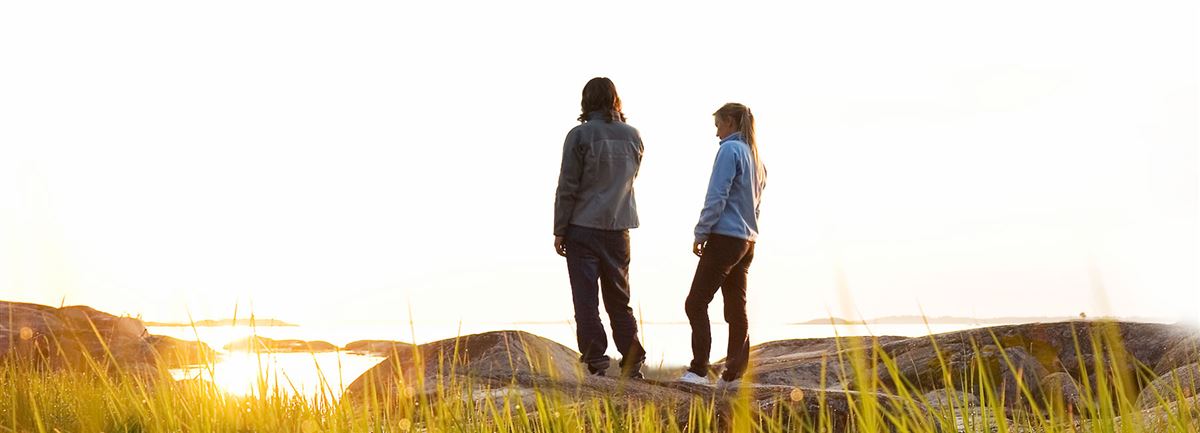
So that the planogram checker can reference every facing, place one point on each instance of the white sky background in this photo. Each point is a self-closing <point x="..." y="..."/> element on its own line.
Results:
<point x="337" y="161"/>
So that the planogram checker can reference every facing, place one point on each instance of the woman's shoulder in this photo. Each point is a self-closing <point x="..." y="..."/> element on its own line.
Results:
<point x="735" y="145"/>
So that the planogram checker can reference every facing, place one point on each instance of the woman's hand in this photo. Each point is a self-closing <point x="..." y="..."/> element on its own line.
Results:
<point x="560" y="246"/>
<point x="698" y="248"/>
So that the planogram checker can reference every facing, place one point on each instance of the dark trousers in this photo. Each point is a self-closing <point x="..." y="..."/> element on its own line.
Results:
<point x="724" y="265"/>
<point x="602" y="256"/>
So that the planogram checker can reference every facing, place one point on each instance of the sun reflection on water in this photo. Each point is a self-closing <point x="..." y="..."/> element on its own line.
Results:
<point x="307" y="374"/>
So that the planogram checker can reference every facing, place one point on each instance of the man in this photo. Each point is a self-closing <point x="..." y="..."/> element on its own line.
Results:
<point x="594" y="209"/>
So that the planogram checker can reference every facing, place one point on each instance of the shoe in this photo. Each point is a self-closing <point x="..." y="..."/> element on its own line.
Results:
<point x="729" y="384"/>
<point x="694" y="379"/>
<point x="631" y="372"/>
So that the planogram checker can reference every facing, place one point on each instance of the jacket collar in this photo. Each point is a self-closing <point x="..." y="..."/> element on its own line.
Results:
<point x="737" y="135"/>
<point x="599" y="115"/>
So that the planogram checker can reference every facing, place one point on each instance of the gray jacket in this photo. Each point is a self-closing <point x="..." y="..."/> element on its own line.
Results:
<point x="595" y="184"/>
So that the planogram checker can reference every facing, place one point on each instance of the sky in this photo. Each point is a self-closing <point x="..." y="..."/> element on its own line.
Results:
<point x="368" y="161"/>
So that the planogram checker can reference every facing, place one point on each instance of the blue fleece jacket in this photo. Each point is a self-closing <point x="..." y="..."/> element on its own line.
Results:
<point x="731" y="205"/>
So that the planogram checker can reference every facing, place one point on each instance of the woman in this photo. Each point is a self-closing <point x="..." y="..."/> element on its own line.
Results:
<point x="724" y="242"/>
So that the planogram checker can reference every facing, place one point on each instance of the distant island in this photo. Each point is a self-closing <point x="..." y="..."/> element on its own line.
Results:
<point x="226" y="322"/>
<point x="941" y="320"/>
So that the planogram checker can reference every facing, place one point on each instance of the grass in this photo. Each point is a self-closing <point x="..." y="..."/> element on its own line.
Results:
<point x="98" y="398"/>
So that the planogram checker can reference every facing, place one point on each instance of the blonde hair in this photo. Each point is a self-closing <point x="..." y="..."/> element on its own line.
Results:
<point x="743" y="120"/>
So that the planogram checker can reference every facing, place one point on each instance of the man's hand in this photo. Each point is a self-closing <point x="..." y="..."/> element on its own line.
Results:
<point x="698" y="248"/>
<point x="560" y="246"/>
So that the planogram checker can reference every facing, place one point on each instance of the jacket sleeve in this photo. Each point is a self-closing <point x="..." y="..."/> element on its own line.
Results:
<point x="762" y="185"/>
<point x="569" y="175"/>
<point x="724" y="170"/>
<point x="641" y="151"/>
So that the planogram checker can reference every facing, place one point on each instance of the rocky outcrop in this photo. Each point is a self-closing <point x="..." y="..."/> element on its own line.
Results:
<point x="834" y="409"/>
<point x="66" y="336"/>
<point x="1177" y="416"/>
<point x="1024" y="365"/>
<point x="1060" y="393"/>
<point x="1071" y="347"/>
<point x="945" y="398"/>
<point x="775" y="352"/>
<point x="79" y="337"/>
<point x="264" y="344"/>
<point x="1014" y="360"/>
<point x="518" y="369"/>
<point x="494" y="357"/>
<point x="1185" y="351"/>
<point x="1180" y="383"/>
<point x="1020" y="377"/>
<point x="174" y="351"/>
<point x="809" y="362"/>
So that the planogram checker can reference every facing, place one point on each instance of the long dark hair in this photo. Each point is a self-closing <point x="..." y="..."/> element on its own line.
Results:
<point x="742" y="119"/>
<point x="600" y="94"/>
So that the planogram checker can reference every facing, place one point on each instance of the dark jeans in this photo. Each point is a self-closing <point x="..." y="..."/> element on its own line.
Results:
<point x="602" y="255"/>
<point x="724" y="265"/>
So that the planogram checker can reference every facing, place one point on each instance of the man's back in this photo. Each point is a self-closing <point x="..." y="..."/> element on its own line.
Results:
<point x="595" y="184"/>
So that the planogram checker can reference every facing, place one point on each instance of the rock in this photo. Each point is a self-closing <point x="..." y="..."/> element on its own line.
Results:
<point x="175" y="352"/>
<point x="803" y="408"/>
<point x="1185" y="351"/>
<point x="1012" y="357"/>
<point x="798" y="378"/>
<point x="958" y="359"/>
<point x="1124" y="347"/>
<point x="264" y="344"/>
<point x="793" y="406"/>
<point x="519" y="369"/>
<point x="1024" y="365"/>
<point x="78" y="337"/>
<point x="507" y="368"/>
<point x="975" y="420"/>
<point x="1182" y="382"/>
<point x="785" y="350"/>
<point x="808" y="363"/>
<point x="1060" y="346"/>
<point x="1060" y="393"/>
<point x="950" y="399"/>
<point x="66" y="337"/>
<point x="378" y="347"/>
<point x="674" y="399"/>
<point x="1020" y="377"/>
<point x="500" y="356"/>
<point x="1177" y="416"/>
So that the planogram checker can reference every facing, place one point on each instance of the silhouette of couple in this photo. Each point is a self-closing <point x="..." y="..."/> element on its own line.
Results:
<point x="594" y="209"/>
